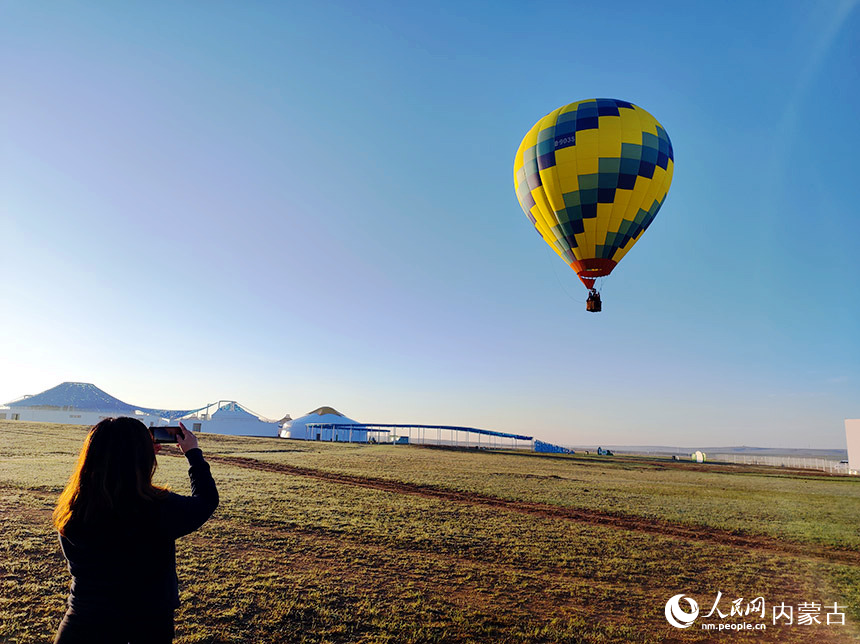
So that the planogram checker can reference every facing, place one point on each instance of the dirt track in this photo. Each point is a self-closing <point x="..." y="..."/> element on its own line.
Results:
<point x="593" y="517"/>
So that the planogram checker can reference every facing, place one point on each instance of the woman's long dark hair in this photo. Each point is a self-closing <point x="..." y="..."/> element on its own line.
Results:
<point x="113" y="475"/>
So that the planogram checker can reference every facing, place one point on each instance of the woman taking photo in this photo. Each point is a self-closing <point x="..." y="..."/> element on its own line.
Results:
<point x="117" y="532"/>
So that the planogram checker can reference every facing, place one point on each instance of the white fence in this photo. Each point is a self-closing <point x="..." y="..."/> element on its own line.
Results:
<point x="820" y="464"/>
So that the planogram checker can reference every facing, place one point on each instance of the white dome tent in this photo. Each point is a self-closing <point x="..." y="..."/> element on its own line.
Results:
<point x="312" y="427"/>
<point x="231" y="419"/>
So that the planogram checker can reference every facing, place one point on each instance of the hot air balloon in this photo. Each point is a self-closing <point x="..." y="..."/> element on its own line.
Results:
<point x="591" y="176"/>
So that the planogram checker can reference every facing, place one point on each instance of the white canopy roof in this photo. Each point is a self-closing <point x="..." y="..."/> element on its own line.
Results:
<point x="321" y="415"/>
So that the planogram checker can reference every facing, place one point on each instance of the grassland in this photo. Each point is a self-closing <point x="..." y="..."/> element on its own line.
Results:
<point x="319" y="542"/>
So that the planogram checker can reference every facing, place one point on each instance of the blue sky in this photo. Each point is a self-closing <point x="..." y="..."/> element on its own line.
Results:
<point x="299" y="204"/>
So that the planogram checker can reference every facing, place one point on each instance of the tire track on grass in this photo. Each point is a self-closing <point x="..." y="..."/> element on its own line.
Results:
<point x="473" y="584"/>
<point x="662" y="527"/>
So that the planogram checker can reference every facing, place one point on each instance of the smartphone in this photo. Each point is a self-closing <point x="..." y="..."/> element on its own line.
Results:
<point x="165" y="434"/>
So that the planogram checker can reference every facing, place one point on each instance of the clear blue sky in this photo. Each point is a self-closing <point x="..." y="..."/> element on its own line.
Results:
<point x="299" y="204"/>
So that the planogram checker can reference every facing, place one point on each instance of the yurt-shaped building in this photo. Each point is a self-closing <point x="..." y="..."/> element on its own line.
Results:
<point x="81" y="403"/>
<point x="324" y="424"/>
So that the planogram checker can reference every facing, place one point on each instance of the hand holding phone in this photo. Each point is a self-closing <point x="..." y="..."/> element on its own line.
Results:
<point x="185" y="438"/>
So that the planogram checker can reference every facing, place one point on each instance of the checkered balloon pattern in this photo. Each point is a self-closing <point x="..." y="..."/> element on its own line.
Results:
<point x="591" y="176"/>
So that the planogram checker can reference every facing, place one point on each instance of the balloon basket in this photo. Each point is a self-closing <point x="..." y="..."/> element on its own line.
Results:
<point x="593" y="303"/>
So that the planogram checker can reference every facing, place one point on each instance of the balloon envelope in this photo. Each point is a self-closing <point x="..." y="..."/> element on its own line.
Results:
<point x="591" y="176"/>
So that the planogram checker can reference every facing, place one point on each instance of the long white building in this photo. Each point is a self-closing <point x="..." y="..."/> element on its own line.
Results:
<point x="82" y="403"/>
<point x="852" y="438"/>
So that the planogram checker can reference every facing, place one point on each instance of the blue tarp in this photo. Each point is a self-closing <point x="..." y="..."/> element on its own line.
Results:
<point x="549" y="448"/>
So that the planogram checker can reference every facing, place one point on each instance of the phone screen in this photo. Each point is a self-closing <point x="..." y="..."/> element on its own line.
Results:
<point x="164" y="434"/>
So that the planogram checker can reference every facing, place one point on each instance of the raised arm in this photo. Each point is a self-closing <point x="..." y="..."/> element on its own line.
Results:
<point x="184" y="514"/>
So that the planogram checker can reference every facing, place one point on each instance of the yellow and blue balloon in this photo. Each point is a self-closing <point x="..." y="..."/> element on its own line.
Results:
<point x="591" y="176"/>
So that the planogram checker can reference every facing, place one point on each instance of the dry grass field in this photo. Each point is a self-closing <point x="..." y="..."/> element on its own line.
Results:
<point x="318" y="542"/>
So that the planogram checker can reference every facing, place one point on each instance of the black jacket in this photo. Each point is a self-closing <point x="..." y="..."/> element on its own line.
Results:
<point x="128" y="566"/>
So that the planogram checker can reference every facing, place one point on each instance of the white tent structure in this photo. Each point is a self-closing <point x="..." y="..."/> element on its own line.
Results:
<point x="318" y="426"/>
<point x="232" y="419"/>
<point x="852" y="437"/>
